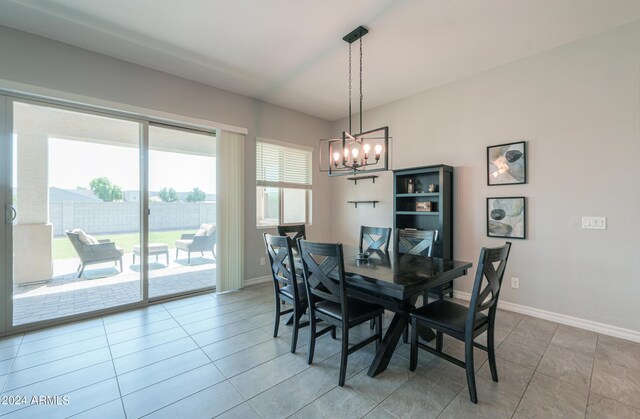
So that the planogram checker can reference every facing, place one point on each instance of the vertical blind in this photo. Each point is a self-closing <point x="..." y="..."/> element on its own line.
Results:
<point x="283" y="167"/>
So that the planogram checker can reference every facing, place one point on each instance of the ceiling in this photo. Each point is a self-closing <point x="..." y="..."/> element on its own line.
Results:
<point x="291" y="53"/>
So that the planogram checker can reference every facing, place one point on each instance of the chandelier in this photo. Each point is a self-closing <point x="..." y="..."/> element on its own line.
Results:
<point x="366" y="151"/>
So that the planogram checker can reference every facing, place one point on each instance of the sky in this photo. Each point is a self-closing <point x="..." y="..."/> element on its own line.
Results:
<point x="74" y="163"/>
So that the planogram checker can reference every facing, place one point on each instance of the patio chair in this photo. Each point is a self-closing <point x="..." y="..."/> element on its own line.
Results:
<point x="202" y="241"/>
<point x="92" y="251"/>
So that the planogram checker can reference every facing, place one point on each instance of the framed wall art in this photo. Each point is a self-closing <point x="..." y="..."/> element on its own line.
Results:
<point x="506" y="217"/>
<point x="507" y="164"/>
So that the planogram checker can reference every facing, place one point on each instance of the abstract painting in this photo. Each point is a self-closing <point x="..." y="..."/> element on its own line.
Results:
<point x="506" y="164"/>
<point x="506" y="217"/>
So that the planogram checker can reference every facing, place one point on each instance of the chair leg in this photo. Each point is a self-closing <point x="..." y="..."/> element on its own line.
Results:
<point x="79" y="266"/>
<point x="81" y="271"/>
<point x="121" y="265"/>
<point x="176" y="253"/>
<point x="312" y="336"/>
<point x="379" y="331"/>
<point x="296" y="327"/>
<point x="492" y="354"/>
<point x="372" y="323"/>
<point x="188" y="257"/>
<point x="439" y="341"/>
<point x="134" y="259"/>
<point x="344" y="355"/>
<point x="413" y="357"/>
<point x="277" y="322"/>
<point x="471" y="378"/>
<point x="333" y="333"/>
<point x="405" y="334"/>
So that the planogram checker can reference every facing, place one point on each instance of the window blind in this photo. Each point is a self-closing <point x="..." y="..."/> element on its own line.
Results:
<point x="283" y="167"/>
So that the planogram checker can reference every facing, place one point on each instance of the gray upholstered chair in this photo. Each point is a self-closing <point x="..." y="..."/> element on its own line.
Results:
<point x="91" y="254"/>
<point x="202" y="241"/>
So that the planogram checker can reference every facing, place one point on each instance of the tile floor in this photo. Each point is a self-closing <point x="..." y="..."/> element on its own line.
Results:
<point x="214" y="356"/>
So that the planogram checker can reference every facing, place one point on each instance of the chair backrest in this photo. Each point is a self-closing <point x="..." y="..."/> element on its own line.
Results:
<point x="491" y="266"/>
<point x="281" y="261"/>
<point x="295" y="232"/>
<point x="416" y="242"/>
<point x="319" y="260"/>
<point x="82" y="249"/>
<point x="375" y="238"/>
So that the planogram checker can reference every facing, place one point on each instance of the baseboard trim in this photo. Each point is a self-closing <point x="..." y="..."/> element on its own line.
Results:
<point x="605" y="329"/>
<point x="256" y="280"/>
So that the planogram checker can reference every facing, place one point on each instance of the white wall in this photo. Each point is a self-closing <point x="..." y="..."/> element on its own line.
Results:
<point x="41" y="62"/>
<point x="578" y="108"/>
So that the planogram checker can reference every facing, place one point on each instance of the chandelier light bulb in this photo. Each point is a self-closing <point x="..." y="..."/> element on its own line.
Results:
<point x="366" y="149"/>
<point x="378" y="149"/>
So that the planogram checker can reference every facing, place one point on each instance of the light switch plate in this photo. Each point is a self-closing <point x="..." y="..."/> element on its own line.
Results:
<point x="594" y="223"/>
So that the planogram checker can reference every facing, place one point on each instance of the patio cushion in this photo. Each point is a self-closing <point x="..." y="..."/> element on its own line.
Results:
<point x="211" y="228"/>
<point x="84" y="237"/>
<point x="183" y="244"/>
<point x="206" y="230"/>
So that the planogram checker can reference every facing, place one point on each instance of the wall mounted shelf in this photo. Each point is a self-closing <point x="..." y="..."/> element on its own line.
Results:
<point x="355" y="179"/>
<point x="417" y="213"/>
<point x="416" y="195"/>
<point x="363" y="202"/>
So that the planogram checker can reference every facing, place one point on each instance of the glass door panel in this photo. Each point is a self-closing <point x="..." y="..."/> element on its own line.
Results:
<point x="76" y="194"/>
<point x="182" y="211"/>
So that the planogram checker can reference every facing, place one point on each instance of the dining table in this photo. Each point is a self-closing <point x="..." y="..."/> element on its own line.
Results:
<point x="395" y="281"/>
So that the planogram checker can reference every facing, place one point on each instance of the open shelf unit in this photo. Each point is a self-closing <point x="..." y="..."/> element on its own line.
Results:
<point x="441" y="215"/>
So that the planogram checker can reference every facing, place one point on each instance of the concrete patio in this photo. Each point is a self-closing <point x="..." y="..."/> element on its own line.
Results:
<point x="103" y="286"/>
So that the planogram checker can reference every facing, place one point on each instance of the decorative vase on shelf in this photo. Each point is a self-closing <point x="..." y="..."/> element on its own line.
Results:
<point x="410" y="186"/>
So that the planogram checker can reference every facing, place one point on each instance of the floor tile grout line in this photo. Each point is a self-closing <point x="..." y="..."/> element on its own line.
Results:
<point x="593" y="365"/>
<point x="13" y="360"/>
<point x="212" y="317"/>
<point x="58" y="359"/>
<point x="57" y="346"/>
<point x="115" y="372"/>
<point x="61" y="334"/>
<point x="133" y="327"/>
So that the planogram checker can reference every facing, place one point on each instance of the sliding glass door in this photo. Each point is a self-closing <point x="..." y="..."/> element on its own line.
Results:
<point x="182" y="210"/>
<point x="100" y="211"/>
<point x="74" y="211"/>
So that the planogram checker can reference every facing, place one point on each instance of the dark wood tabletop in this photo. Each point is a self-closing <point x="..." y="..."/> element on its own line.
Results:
<point x="396" y="281"/>
<point x="400" y="276"/>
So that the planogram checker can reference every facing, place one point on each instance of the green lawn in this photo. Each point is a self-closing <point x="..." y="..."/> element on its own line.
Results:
<point x="62" y="248"/>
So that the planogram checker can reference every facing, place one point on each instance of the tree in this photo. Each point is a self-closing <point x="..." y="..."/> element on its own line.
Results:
<point x="105" y="190"/>
<point x="168" y="195"/>
<point x="196" y="195"/>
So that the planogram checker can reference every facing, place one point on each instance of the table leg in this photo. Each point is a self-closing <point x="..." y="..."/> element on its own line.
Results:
<point x="289" y="321"/>
<point x="388" y="346"/>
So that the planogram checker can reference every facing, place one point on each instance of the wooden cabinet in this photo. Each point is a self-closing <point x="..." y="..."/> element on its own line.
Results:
<point x="422" y="209"/>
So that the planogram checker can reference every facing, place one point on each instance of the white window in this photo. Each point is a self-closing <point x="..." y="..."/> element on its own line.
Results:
<point x="283" y="183"/>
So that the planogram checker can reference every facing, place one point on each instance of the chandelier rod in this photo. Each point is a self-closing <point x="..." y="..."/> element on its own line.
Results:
<point x="360" y="85"/>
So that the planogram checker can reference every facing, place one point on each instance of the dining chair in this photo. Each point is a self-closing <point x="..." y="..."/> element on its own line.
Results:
<point x="416" y="242"/>
<point x="286" y="286"/>
<point x="466" y="323"/>
<point x="375" y="238"/>
<point x="421" y="242"/>
<point x="294" y="232"/>
<point x="329" y="300"/>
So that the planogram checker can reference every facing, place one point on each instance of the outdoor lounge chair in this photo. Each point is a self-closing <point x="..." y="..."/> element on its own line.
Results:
<point x="202" y="241"/>
<point x="93" y="253"/>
